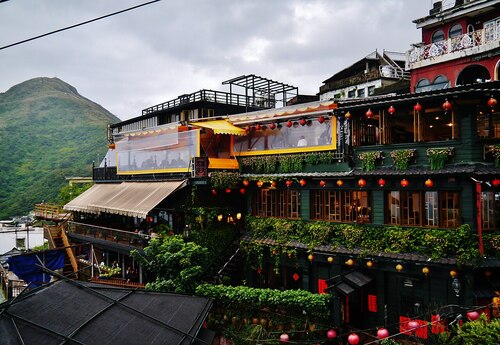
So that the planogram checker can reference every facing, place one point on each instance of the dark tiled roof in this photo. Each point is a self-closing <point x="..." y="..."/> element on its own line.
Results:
<point x="91" y="315"/>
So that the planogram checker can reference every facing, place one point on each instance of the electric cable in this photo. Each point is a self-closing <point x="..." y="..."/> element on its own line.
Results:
<point x="76" y="25"/>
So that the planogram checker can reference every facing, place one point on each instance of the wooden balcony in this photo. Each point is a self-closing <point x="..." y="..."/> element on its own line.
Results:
<point x="51" y="212"/>
<point x="121" y="238"/>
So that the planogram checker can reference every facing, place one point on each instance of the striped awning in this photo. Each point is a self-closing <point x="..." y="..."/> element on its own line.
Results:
<point x="220" y="127"/>
<point x="132" y="199"/>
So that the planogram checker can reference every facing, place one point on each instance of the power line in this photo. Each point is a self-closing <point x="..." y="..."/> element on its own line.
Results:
<point x="76" y="25"/>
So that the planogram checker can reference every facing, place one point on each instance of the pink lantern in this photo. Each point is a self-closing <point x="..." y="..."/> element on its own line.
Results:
<point x="331" y="334"/>
<point x="353" y="339"/>
<point x="382" y="333"/>
<point x="413" y="324"/>
<point x="284" y="338"/>
<point x="473" y="315"/>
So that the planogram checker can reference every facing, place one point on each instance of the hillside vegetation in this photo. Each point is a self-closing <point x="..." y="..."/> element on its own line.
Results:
<point x="48" y="131"/>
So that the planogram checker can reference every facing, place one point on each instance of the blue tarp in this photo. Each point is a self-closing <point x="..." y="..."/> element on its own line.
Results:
<point x="28" y="267"/>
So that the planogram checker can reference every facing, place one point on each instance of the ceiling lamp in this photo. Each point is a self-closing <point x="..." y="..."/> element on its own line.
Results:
<point x="369" y="114"/>
<point x="417" y="107"/>
<point x="391" y="110"/>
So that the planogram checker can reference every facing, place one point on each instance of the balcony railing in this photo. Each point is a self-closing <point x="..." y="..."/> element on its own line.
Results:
<point x="481" y="39"/>
<point x="214" y="97"/>
<point x="108" y="234"/>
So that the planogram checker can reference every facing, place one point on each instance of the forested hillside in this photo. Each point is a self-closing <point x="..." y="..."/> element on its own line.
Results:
<point x="47" y="132"/>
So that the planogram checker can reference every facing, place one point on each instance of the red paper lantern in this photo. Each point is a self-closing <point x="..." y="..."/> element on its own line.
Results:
<point x="214" y="191"/>
<point x="348" y="115"/>
<point x="288" y="183"/>
<point x="302" y="182"/>
<point x="289" y="124"/>
<point x="381" y="182"/>
<point x="447" y="105"/>
<point x="246" y="182"/>
<point x="302" y="122"/>
<point x="272" y="126"/>
<point x="361" y="182"/>
<point x="310" y="257"/>
<point x="321" y="119"/>
<point x="369" y="114"/>
<point x="258" y="127"/>
<point x="382" y="333"/>
<point x="112" y="146"/>
<point x="284" y="338"/>
<point x="404" y="182"/>
<point x="492" y="102"/>
<point x="243" y="190"/>
<point x="322" y="183"/>
<point x="273" y="184"/>
<point x="340" y="183"/>
<point x="429" y="183"/>
<point x="473" y="315"/>
<point x="259" y="183"/>
<point x="330" y="259"/>
<point x="228" y="190"/>
<point x="495" y="182"/>
<point x="391" y="110"/>
<point x="331" y="334"/>
<point x="417" y="107"/>
<point x="353" y="339"/>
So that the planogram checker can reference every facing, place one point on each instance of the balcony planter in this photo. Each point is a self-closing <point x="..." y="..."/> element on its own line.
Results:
<point x="368" y="159"/>
<point x="438" y="157"/>
<point x="223" y="179"/>
<point x="402" y="158"/>
<point x="495" y="150"/>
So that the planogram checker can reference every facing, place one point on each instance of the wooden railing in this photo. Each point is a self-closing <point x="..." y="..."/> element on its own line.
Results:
<point x="118" y="282"/>
<point x="108" y="234"/>
<point x="51" y="212"/>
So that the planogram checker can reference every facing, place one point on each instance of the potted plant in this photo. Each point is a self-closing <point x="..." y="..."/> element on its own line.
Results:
<point x="438" y="156"/>
<point x="368" y="160"/>
<point x="402" y="158"/>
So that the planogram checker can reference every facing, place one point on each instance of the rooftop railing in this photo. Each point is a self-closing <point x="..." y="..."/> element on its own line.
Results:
<point x="479" y="38"/>
<point x="214" y="97"/>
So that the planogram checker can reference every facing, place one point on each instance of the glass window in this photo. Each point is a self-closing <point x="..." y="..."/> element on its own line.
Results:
<point x="163" y="150"/>
<point x="20" y="243"/>
<point x="488" y="124"/>
<point x="491" y="210"/>
<point x="277" y="203"/>
<point x="422" y="85"/>
<point x="371" y="90"/>
<point x="351" y="94"/>
<point x="439" y="208"/>
<point x="440" y="82"/>
<point x="282" y="138"/>
<point x="438" y="36"/>
<point x="340" y="206"/>
<point x="361" y="93"/>
<point x="455" y="31"/>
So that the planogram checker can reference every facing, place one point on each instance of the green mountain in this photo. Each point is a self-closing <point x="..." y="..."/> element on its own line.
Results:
<point x="48" y="131"/>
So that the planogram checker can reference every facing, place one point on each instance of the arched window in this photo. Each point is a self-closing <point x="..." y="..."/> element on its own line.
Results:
<point x="455" y="31"/>
<point x="438" y="36"/>
<point x="440" y="82"/>
<point x="422" y="85"/>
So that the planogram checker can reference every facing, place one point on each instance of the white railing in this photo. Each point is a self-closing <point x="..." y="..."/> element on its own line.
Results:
<point x="460" y="43"/>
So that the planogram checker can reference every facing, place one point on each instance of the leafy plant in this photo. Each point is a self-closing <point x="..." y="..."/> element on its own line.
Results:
<point x="224" y="179"/>
<point x="291" y="163"/>
<point x="402" y="158"/>
<point x="478" y="332"/>
<point x="495" y="150"/>
<point x="438" y="157"/>
<point x="368" y="160"/>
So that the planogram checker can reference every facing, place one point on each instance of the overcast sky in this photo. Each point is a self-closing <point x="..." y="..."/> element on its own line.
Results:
<point x="157" y="52"/>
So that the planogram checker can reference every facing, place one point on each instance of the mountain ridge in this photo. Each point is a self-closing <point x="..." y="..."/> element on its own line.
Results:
<point x="48" y="131"/>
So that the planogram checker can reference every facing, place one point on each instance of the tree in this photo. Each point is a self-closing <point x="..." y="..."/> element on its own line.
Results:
<point x="478" y="332"/>
<point x="176" y="265"/>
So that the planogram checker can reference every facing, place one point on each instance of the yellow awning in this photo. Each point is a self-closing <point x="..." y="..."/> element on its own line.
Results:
<point x="220" y="127"/>
<point x="223" y="163"/>
<point x="133" y="199"/>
